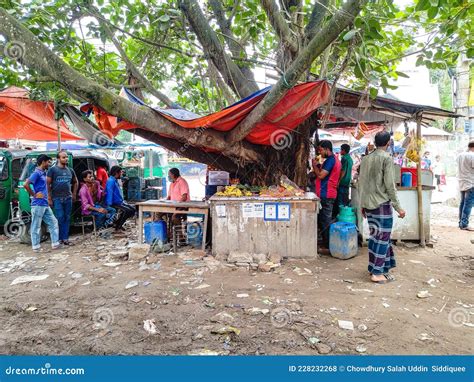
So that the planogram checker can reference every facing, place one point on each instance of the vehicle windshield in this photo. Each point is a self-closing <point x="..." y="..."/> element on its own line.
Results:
<point x="30" y="166"/>
<point x="3" y="168"/>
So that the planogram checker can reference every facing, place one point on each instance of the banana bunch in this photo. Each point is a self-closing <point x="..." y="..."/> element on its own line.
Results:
<point x="413" y="155"/>
<point x="234" y="191"/>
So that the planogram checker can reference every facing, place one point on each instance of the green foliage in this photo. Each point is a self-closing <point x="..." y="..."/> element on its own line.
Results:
<point x="157" y="38"/>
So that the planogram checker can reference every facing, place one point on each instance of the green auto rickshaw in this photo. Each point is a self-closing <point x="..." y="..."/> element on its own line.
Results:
<point x="11" y="165"/>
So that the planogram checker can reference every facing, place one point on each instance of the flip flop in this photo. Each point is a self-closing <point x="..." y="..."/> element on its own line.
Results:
<point x="388" y="276"/>
<point x="386" y="281"/>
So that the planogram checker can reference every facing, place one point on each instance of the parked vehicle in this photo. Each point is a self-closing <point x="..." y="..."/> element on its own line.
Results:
<point x="79" y="161"/>
<point x="11" y="164"/>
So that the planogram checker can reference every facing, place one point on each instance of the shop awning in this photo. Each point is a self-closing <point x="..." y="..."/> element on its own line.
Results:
<point x="23" y="118"/>
<point x="349" y="108"/>
<point x="297" y="105"/>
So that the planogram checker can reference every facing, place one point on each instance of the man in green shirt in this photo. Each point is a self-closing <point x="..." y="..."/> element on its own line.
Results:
<point x="377" y="193"/>
<point x="346" y="176"/>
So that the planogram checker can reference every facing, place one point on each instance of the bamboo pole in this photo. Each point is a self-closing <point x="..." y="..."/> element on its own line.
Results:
<point x="419" y="188"/>
<point x="59" y="135"/>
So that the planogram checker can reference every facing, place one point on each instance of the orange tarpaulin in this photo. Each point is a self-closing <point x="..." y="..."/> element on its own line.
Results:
<point x="297" y="105"/>
<point x="22" y="118"/>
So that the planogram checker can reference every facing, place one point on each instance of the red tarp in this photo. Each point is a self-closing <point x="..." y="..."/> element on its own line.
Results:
<point x="297" y="105"/>
<point x="22" y="118"/>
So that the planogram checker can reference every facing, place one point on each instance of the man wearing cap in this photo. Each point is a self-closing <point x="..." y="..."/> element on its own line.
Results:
<point x="36" y="186"/>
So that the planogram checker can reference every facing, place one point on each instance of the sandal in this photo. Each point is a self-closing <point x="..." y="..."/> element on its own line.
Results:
<point x="386" y="281"/>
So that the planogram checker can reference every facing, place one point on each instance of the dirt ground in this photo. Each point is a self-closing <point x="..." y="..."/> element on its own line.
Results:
<point x="83" y="307"/>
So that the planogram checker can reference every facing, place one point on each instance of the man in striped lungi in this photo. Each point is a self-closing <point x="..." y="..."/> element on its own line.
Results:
<point x="378" y="194"/>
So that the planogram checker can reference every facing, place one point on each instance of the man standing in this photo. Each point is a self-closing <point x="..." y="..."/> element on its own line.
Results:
<point x="114" y="198"/>
<point x="60" y="179"/>
<point x="345" y="177"/>
<point x="466" y="186"/>
<point x="327" y="178"/>
<point x="40" y="210"/>
<point x="103" y="216"/>
<point x="377" y="193"/>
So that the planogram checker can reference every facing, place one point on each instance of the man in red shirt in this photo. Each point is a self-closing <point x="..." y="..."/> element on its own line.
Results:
<point x="179" y="189"/>
<point x="102" y="176"/>
<point x="327" y="178"/>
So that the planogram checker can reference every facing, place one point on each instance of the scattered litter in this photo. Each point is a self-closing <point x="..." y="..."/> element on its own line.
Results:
<point x="468" y="324"/>
<point x="86" y="283"/>
<point x="302" y="272"/>
<point x="175" y="291"/>
<point x="12" y="265"/>
<point x="424" y="337"/>
<point x="131" y="284"/>
<point x="431" y="282"/>
<point x="146" y="283"/>
<point x="423" y="294"/>
<point x="348" y="281"/>
<point x="323" y="348"/>
<point x="222" y="317"/>
<point x="416" y="262"/>
<point x="28" y="279"/>
<point x="348" y="325"/>
<point x="361" y="349"/>
<point x="242" y="295"/>
<point x="150" y="327"/>
<point x="359" y="290"/>
<point x="225" y="330"/>
<point x="202" y="286"/>
<point x="385" y="305"/>
<point x="362" y="327"/>
<point x="288" y="281"/>
<point x="416" y="315"/>
<point x="76" y="275"/>
<point x="207" y="352"/>
<point x="31" y="309"/>
<point x="257" y="311"/>
<point x="112" y="264"/>
<point x="136" y="299"/>
<point x="313" y="340"/>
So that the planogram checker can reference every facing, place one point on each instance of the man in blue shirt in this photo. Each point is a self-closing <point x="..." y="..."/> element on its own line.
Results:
<point x="40" y="210"/>
<point x="114" y="198"/>
<point x="62" y="191"/>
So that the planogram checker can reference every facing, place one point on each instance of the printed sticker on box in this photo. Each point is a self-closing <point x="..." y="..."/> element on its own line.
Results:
<point x="270" y="211"/>
<point x="283" y="211"/>
<point x="220" y="210"/>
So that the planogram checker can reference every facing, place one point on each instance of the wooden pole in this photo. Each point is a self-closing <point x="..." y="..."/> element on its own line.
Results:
<point x="59" y="135"/>
<point x="419" y="188"/>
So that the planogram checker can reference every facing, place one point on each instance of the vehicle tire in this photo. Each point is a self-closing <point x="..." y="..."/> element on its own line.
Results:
<point x="25" y="236"/>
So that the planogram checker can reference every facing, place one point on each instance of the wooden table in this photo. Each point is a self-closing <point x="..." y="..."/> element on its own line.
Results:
<point x="171" y="207"/>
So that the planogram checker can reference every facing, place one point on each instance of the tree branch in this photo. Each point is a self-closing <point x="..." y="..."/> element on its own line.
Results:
<point x="343" y="18"/>
<point x="38" y="57"/>
<point x="316" y="19"/>
<point x="279" y="24"/>
<point x="130" y="65"/>
<point x="231" y="73"/>
<point x="235" y="48"/>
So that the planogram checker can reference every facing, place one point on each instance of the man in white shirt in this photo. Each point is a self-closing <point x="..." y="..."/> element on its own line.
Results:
<point x="466" y="186"/>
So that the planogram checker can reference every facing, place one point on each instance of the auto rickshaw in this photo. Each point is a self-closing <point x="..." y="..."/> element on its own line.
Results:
<point x="11" y="165"/>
